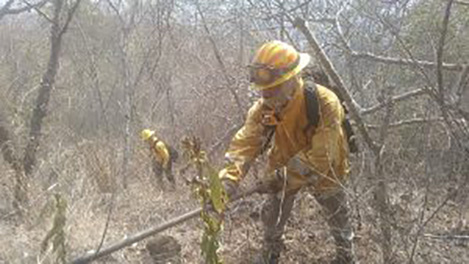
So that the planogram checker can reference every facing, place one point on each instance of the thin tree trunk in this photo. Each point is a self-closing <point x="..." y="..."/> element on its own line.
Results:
<point x="42" y="101"/>
<point x="171" y="111"/>
<point x="381" y="190"/>
<point x="47" y="82"/>
<point x="128" y="121"/>
<point x="382" y="206"/>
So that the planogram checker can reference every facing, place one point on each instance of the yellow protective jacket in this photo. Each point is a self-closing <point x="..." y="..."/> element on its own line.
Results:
<point x="160" y="151"/>
<point x="323" y="150"/>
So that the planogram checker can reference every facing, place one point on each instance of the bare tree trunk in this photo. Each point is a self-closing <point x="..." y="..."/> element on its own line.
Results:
<point x="128" y="117"/>
<point x="381" y="190"/>
<point x="126" y="28"/>
<point x="42" y="101"/>
<point x="47" y="82"/>
<point x="382" y="205"/>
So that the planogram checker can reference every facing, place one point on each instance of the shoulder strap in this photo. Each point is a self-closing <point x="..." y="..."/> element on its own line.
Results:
<point x="312" y="113"/>
<point x="269" y="135"/>
<point x="312" y="104"/>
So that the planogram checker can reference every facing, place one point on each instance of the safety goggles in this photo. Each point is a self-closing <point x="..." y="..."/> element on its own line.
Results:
<point x="270" y="93"/>
<point x="263" y="74"/>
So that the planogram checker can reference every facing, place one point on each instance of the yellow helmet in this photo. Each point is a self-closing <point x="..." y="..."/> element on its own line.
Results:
<point x="274" y="63"/>
<point x="146" y="134"/>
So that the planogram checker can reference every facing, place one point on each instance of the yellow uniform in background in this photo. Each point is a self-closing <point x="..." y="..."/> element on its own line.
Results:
<point x="163" y="156"/>
<point x="161" y="153"/>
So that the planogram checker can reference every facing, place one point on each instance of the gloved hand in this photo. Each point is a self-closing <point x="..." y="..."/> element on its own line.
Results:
<point x="231" y="187"/>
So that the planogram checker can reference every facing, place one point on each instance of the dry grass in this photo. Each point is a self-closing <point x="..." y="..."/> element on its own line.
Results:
<point x="85" y="179"/>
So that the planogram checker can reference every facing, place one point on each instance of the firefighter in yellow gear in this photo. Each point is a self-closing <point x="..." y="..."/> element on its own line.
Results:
<point x="163" y="156"/>
<point x="299" y="155"/>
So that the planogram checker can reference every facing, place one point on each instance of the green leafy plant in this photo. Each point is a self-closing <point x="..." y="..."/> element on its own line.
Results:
<point x="209" y="190"/>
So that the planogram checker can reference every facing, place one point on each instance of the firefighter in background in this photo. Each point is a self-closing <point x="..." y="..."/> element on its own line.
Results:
<point x="300" y="128"/>
<point x="163" y="156"/>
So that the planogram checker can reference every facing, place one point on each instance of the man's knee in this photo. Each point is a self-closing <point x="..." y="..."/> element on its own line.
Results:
<point x="337" y="214"/>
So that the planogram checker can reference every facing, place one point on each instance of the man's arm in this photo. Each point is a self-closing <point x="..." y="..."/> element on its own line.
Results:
<point x="245" y="145"/>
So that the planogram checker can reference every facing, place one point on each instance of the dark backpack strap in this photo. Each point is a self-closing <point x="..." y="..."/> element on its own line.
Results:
<point x="353" y="147"/>
<point x="312" y="105"/>
<point x="312" y="112"/>
<point x="270" y="131"/>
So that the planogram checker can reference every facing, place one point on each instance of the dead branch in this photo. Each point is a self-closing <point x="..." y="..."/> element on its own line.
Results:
<point x="413" y="121"/>
<point x="42" y="14"/>
<point x="404" y="62"/>
<point x="285" y="11"/>
<point x="462" y="83"/>
<point x="71" y="11"/>
<point x="464" y="3"/>
<point x="91" y="256"/>
<point x="387" y="118"/>
<point x="7" y="10"/>
<point x="108" y="220"/>
<point x="47" y="82"/>
<point x="395" y="99"/>
<point x="220" y="61"/>
<point x="447" y="237"/>
<point x="341" y="89"/>
<point x="381" y="191"/>
<point x="449" y="196"/>
<point x="439" y="53"/>
<point x="228" y="134"/>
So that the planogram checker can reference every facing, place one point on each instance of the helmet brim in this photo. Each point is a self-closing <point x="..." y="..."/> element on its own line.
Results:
<point x="305" y="58"/>
<point x="147" y="135"/>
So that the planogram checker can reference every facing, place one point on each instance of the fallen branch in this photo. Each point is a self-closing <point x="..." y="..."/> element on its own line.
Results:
<point x="92" y="255"/>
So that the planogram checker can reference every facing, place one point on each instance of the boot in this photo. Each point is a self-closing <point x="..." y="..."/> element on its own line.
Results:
<point x="274" y="215"/>
<point x="338" y="220"/>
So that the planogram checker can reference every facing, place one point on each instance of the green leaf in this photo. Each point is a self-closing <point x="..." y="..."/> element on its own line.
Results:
<point x="217" y="192"/>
